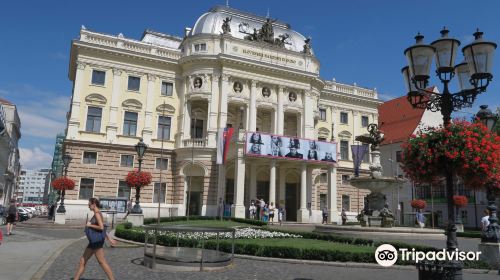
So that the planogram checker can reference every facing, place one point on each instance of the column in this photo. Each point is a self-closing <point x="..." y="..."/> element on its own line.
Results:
<point x="253" y="180"/>
<point x="280" y="113"/>
<point x="303" y="213"/>
<point x="282" y="186"/>
<point x="272" y="183"/>
<point x="112" y="127"/>
<point x="147" y="132"/>
<point x="213" y="113"/>
<point x="223" y="100"/>
<point x="334" y="122"/>
<point x="308" y="115"/>
<point x="186" y="127"/>
<point x="274" y="121"/>
<point x="333" y="215"/>
<point x="74" y="120"/>
<point x="300" y="125"/>
<point x="252" y="125"/>
<point x="238" y="208"/>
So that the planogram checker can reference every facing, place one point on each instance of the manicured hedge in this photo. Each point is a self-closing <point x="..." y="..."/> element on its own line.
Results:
<point x="184" y="218"/>
<point x="469" y="234"/>
<point x="290" y="252"/>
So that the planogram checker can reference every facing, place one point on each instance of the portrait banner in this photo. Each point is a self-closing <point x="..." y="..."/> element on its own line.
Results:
<point x="276" y="146"/>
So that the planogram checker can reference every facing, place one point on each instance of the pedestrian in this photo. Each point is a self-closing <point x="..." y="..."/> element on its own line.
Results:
<point x="265" y="211"/>
<point x="281" y="214"/>
<point x="262" y="204"/>
<point x="420" y="218"/>
<point x="271" y="213"/>
<point x="96" y="223"/>
<point x="12" y="216"/>
<point x="485" y="221"/>
<point x="252" y="209"/>
<point x="325" y="215"/>
<point x="129" y="207"/>
<point x="344" y="217"/>
<point x="1" y="236"/>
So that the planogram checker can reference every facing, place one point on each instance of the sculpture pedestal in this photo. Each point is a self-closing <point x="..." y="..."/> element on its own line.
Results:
<point x="490" y="253"/>
<point x="60" y="219"/>
<point x="303" y="216"/>
<point x="136" y="219"/>
<point x="460" y="227"/>
<point x="238" y="211"/>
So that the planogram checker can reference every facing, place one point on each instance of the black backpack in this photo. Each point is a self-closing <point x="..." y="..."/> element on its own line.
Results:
<point x="12" y="210"/>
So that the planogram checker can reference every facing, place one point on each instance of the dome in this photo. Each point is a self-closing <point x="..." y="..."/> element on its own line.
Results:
<point x="242" y="24"/>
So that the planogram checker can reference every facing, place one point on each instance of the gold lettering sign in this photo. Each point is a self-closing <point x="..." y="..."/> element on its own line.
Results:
<point x="269" y="56"/>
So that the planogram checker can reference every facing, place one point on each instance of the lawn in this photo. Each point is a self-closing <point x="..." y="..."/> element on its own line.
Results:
<point x="208" y="223"/>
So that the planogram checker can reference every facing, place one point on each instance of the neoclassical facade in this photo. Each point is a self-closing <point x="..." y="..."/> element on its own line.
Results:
<point x="231" y="69"/>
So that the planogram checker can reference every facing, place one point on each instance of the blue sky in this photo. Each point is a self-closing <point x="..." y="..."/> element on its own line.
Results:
<point x="356" y="42"/>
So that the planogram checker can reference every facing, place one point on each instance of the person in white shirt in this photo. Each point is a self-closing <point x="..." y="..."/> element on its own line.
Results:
<point x="485" y="221"/>
<point x="252" y="209"/>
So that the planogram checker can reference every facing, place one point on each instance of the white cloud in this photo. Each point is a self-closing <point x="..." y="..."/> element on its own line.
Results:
<point x="34" y="158"/>
<point x="39" y="126"/>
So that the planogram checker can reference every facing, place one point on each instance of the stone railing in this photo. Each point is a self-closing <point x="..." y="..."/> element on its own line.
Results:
<point x="128" y="44"/>
<point x="351" y="89"/>
<point x="196" y="143"/>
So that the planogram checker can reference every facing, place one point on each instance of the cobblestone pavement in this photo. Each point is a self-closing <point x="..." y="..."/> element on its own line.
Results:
<point x="126" y="264"/>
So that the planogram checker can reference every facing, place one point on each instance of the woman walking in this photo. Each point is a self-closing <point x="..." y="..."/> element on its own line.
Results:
<point x="12" y="216"/>
<point x="97" y="224"/>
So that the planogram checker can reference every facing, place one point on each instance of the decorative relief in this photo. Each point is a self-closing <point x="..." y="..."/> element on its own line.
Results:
<point x="151" y="78"/>
<point x="117" y="72"/>
<point x="165" y="108"/>
<point x="346" y="135"/>
<point x="197" y="83"/>
<point x="96" y="99"/>
<point x="237" y="87"/>
<point x="80" y="65"/>
<point x="132" y="104"/>
<point x="292" y="96"/>
<point x="266" y="92"/>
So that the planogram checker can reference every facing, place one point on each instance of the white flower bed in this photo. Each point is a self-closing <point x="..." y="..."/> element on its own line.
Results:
<point x="241" y="233"/>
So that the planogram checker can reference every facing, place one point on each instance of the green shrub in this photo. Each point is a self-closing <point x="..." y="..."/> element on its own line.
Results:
<point x="469" y="234"/>
<point x="127" y="225"/>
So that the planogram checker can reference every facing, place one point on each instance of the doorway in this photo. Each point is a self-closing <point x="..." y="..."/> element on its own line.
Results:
<point x="291" y="201"/>
<point x="195" y="195"/>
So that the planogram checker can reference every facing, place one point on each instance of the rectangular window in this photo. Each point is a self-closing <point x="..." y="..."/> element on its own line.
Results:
<point x="98" y="77"/>
<point x="196" y="130"/>
<point x="399" y="156"/>
<point x="164" y="125"/>
<point x="322" y="114"/>
<point x="366" y="157"/>
<point x="86" y="189"/>
<point x="344" y="150"/>
<point x="167" y="89"/>
<point x="89" y="157"/>
<point x="134" y="83"/>
<point x="94" y="116"/>
<point x="161" y="163"/>
<point x="130" y="124"/>
<point x="123" y="190"/>
<point x="159" y="192"/>
<point x="345" y="179"/>
<point x="200" y="47"/>
<point x="346" y="202"/>
<point x="364" y="121"/>
<point x="127" y="160"/>
<point x="344" y="118"/>
<point x="322" y="201"/>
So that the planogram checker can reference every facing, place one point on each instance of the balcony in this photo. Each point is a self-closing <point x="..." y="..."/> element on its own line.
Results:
<point x="195" y="143"/>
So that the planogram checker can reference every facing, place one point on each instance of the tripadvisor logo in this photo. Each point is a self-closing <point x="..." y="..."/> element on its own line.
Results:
<point x="386" y="255"/>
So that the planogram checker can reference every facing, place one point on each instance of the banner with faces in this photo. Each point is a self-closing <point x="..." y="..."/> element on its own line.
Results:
<point x="269" y="145"/>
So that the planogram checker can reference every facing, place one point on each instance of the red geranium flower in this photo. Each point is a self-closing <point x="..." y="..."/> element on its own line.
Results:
<point x="138" y="179"/>
<point x="418" y="204"/>
<point x="460" y="201"/>
<point x="63" y="183"/>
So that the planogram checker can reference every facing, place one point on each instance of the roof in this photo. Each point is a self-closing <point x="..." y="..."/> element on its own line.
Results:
<point x="398" y="119"/>
<point x="242" y="24"/>
<point x="5" y="101"/>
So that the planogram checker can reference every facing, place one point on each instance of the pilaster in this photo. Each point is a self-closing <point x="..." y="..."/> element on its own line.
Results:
<point x="74" y="120"/>
<point x="280" y="112"/>
<point x="253" y="106"/>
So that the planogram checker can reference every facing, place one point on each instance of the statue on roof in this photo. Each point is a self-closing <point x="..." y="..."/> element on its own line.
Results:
<point x="281" y="40"/>
<point x="226" y="28"/>
<point x="267" y="31"/>
<point x="307" y="46"/>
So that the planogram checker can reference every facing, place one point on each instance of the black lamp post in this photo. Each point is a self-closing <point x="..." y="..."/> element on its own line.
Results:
<point x="66" y="160"/>
<point x="140" y="148"/>
<point x="492" y="233"/>
<point x="473" y="76"/>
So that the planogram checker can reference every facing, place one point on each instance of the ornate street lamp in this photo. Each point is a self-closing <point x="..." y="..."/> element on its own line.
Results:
<point x="140" y="148"/>
<point x="492" y="233"/>
<point x="66" y="161"/>
<point x="473" y="76"/>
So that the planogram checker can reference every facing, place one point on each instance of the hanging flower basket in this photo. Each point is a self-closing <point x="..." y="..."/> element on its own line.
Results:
<point x="469" y="149"/>
<point x="460" y="201"/>
<point x="63" y="183"/>
<point x="418" y="204"/>
<point x="138" y="179"/>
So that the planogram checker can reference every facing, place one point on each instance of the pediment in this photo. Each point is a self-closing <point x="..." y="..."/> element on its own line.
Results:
<point x="345" y="134"/>
<point x="323" y="132"/>
<point x="165" y="108"/>
<point x="96" y="99"/>
<point x="133" y="104"/>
